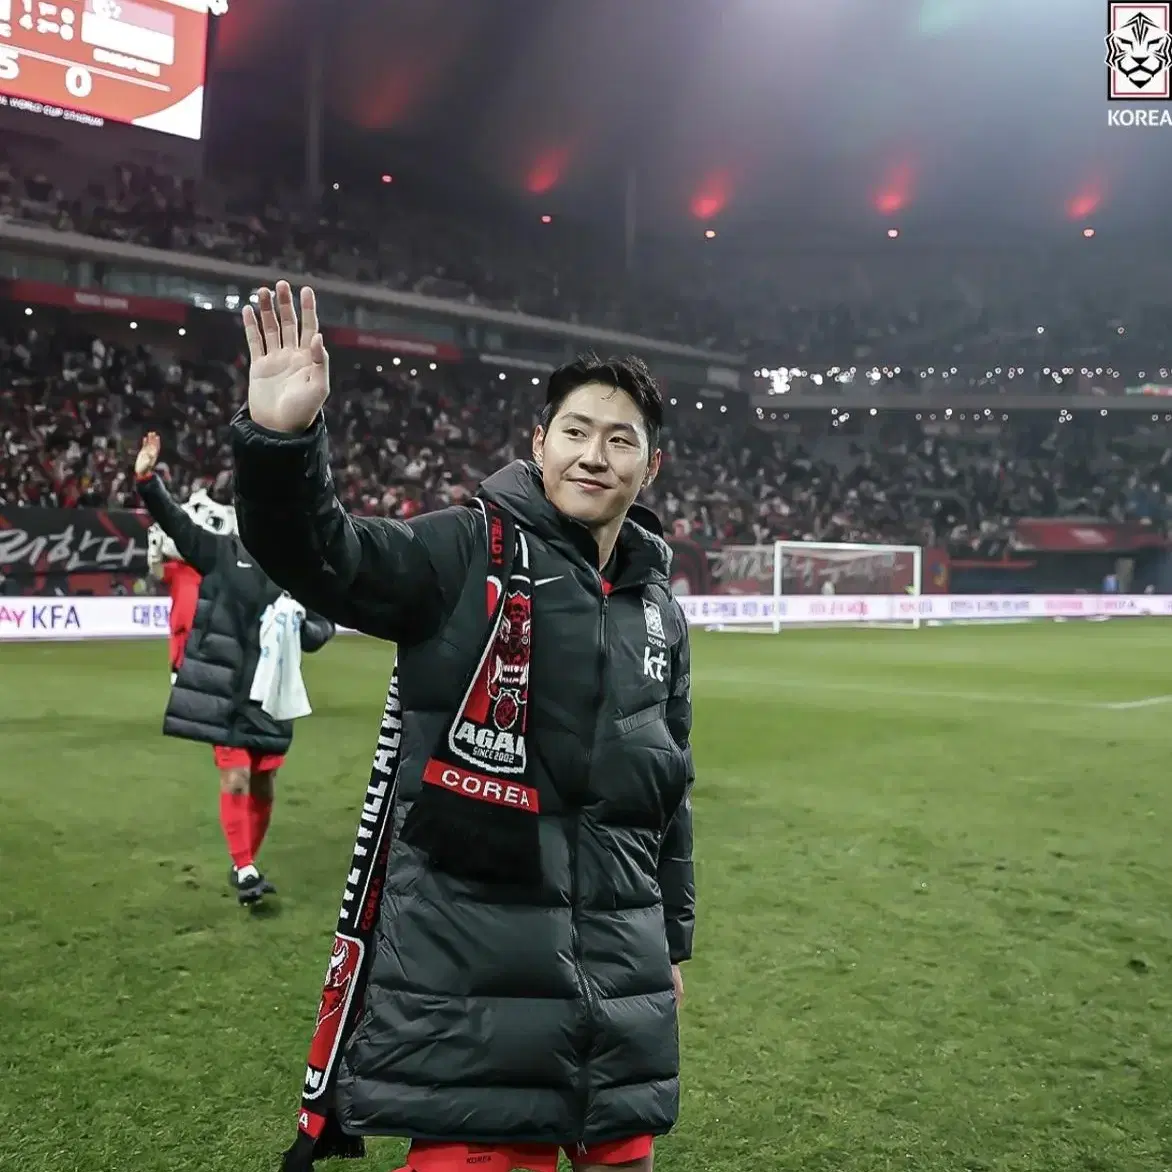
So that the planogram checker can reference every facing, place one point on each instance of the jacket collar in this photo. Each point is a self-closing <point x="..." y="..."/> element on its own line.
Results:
<point x="644" y="556"/>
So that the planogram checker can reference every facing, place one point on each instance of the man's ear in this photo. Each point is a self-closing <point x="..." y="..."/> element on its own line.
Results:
<point x="538" y="444"/>
<point x="653" y="468"/>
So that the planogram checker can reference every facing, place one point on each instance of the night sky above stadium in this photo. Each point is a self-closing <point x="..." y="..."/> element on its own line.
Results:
<point x="920" y="111"/>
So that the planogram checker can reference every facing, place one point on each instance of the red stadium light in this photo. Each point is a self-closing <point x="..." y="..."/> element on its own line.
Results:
<point x="713" y="196"/>
<point x="1085" y="203"/>
<point x="388" y="179"/>
<point x="547" y="219"/>
<point x="548" y="171"/>
<point x="895" y="192"/>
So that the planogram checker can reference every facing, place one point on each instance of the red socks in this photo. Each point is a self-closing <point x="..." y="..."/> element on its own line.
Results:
<point x="259" y="813"/>
<point x="235" y="822"/>
<point x="245" y="822"/>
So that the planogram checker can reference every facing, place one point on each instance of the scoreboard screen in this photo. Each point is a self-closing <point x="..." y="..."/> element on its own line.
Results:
<point x="140" y="62"/>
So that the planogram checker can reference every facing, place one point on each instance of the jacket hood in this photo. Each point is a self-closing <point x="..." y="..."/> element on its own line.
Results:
<point x="518" y="488"/>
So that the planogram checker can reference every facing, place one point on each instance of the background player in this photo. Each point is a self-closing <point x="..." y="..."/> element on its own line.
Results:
<point x="210" y="697"/>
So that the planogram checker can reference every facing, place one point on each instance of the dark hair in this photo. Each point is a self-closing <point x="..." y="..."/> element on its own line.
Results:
<point x="628" y="374"/>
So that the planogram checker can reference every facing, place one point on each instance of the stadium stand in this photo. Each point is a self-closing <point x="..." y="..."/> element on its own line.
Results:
<point x="75" y="409"/>
<point x="909" y="311"/>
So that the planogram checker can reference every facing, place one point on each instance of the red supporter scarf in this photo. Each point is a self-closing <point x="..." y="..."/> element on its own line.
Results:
<point x="474" y="818"/>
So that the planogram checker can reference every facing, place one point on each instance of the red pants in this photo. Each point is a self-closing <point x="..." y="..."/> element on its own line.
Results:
<point x="251" y="759"/>
<point x="446" y="1157"/>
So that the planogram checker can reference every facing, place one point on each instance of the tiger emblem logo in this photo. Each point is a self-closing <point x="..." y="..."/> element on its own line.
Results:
<point x="1139" y="53"/>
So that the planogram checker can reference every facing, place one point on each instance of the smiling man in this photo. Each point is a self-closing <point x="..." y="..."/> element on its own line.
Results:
<point x="519" y="989"/>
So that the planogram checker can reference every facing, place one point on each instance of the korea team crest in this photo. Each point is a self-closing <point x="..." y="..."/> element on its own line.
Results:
<point x="653" y="619"/>
<point x="1139" y="53"/>
<point x="655" y="653"/>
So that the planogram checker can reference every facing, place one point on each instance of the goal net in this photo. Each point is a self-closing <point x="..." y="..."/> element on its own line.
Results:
<point x="803" y="583"/>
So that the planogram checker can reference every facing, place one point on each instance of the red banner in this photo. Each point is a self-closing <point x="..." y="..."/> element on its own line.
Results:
<point x="1078" y="536"/>
<point x="349" y="338"/>
<point x="94" y="301"/>
<point x="72" y="551"/>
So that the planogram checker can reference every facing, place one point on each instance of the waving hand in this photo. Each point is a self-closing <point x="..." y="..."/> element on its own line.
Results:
<point x="289" y="371"/>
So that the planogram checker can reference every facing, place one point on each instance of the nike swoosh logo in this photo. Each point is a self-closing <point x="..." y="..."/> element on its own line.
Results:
<point x="547" y="581"/>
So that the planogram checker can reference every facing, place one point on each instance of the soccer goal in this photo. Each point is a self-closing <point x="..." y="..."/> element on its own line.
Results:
<point x="805" y="583"/>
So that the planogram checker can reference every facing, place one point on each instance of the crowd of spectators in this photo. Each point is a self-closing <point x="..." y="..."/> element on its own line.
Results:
<point x="975" y="311"/>
<point x="383" y="238"/>
<point x="73" y="411"/>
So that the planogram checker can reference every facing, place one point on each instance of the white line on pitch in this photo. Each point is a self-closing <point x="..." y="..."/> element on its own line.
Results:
<point x="751" y="679"/>
<point x="881" y="689"/>
<point x="1150" y="702"/>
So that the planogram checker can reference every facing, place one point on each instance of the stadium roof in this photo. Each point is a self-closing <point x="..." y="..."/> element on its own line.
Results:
<point x="932" y="112"/>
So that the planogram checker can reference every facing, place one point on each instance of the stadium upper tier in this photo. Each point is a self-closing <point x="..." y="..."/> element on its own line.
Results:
<point x="814" y="309"/>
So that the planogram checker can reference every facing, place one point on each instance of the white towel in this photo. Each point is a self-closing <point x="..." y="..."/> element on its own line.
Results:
<point x="277" y="685"/>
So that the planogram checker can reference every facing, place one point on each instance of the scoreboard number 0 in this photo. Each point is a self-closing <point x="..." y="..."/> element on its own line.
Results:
<point x="79" y="81"/>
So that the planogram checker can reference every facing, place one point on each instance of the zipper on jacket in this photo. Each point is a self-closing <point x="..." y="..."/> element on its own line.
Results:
<point x="575" y="943"/>
<point x="583" y="984"/>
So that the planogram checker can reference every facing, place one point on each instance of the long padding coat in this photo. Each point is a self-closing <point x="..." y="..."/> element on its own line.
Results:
<point x="209" y="699"/>
<point x="541" y="1015"/>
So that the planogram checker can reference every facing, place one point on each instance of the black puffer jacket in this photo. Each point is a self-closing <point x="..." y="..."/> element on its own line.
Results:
<point x="548" y="1018"/>
<point x="209" y="700"/>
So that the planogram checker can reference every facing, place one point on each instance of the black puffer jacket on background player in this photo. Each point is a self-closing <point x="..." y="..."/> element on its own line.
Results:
<point x="543" y="1015"/>
<point x="209" y="699"/>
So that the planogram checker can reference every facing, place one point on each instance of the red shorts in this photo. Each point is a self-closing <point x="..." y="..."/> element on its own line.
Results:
<point x="251" y="759"/>
<point x="427" y="1156"/>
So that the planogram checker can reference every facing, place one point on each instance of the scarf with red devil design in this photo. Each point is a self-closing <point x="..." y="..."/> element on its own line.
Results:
<point x="475" y="818"/>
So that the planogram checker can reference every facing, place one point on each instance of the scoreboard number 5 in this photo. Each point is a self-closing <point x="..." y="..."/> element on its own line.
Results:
<point x="9" y="64"/>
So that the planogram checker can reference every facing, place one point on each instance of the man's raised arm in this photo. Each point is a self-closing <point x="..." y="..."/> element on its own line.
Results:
<point x="387" y="578"/>
<point x="195" y="545"/>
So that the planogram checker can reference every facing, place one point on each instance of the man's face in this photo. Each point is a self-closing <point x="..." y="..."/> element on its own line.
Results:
<point x="595" y="456"/>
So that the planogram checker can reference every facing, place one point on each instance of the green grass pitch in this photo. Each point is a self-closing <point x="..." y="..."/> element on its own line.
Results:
<point x="935" y="926"/>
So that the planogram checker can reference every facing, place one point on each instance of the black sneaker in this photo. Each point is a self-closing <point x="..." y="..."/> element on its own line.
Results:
<point x="234" y="882"/>
<point x="252" y="889"/>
